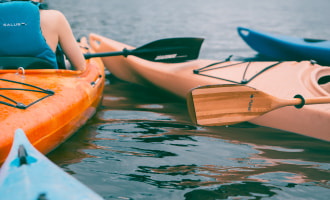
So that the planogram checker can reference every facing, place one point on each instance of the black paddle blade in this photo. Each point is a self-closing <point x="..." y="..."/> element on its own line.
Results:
<point x="170" y="50"/>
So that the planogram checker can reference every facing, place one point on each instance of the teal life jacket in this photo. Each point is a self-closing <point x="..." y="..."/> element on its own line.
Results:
<point x="20" y="32"/>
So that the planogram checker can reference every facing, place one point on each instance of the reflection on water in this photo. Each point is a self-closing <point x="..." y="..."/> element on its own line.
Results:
<point x="142" y="144"/>
<point x="142" y="148"/>
<point x="130" y="114"/>
<point x="244" y="190"/>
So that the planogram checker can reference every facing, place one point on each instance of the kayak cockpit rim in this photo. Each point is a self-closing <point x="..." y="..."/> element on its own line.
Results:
<point x="320" y="80"/>
<point x="48" y="71"/>
<point x="33" y="65"/>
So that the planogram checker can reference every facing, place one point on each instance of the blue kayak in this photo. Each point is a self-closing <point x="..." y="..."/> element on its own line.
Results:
<point x="283" y="47"/>
<point x="29" y="175"/>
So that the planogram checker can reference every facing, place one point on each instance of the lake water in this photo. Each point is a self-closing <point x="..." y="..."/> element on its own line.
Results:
<point x="142" y="145"/>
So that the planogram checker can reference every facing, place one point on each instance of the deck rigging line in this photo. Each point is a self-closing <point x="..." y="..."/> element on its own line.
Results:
<point x="243" y="80"/>
<point x="19" y="105"/>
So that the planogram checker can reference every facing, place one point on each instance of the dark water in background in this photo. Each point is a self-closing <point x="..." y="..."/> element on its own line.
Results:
<point x="142" y="145"/>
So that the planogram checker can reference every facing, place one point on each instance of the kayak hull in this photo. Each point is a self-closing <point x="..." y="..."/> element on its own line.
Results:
<point x="33" y="176"/>
<point x="280" y="79"/>
<point x="51" y="117"/>
<point x="284" y="47"/>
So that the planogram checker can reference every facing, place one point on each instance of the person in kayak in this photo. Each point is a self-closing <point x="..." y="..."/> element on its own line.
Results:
<point x="41" y="34"/>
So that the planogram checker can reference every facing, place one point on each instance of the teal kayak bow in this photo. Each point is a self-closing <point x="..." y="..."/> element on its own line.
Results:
<point x="29" y="175"/>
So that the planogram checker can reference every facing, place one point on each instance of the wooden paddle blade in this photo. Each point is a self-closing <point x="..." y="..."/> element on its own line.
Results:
<point x="219" y="105"/>
<point x="170" y="50"/>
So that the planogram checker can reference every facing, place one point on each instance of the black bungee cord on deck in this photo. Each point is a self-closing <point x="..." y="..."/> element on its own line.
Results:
<point x="19" y="105"/>
<point x="243" y="81"/>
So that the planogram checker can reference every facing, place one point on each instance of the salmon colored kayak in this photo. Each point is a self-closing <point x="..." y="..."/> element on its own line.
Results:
<point x="49" y="105"/>
<point x="280" y="79"/>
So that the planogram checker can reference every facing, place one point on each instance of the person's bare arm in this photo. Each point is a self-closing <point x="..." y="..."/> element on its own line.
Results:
<point x="68" y="43"/>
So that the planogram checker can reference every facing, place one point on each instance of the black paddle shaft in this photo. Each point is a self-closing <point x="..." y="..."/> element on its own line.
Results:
<point x="169" y="50"/>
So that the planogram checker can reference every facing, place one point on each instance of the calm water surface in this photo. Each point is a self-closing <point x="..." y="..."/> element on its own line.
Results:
<point x="141" y="143"/>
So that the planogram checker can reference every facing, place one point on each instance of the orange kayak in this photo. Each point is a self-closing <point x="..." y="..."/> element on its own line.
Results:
<point x="280" y="79"/>
<point x="48" y="105"/>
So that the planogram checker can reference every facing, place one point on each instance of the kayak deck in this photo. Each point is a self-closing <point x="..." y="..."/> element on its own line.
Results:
<point x="48" y="104"/>
<point x="286" y="47"/>
<point x="28" y="174"/>
<point x="280" y="79"/>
